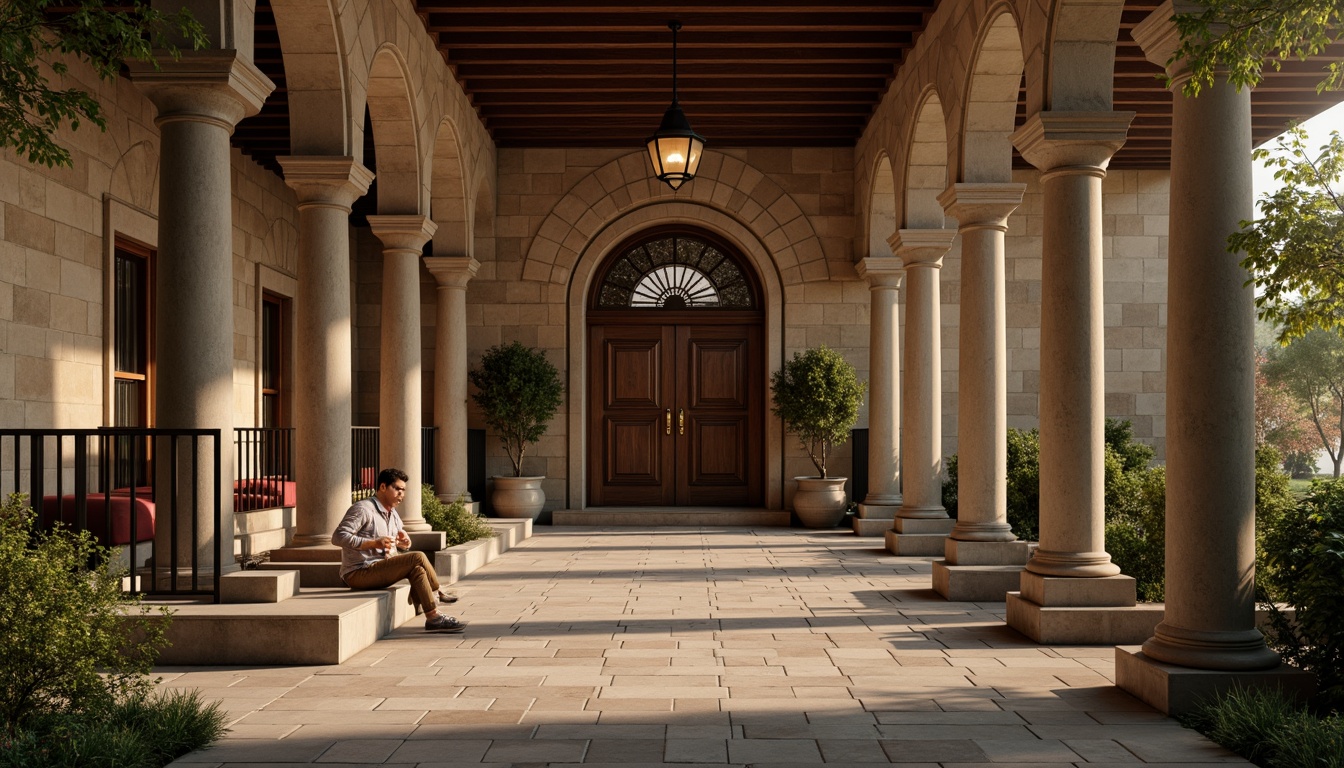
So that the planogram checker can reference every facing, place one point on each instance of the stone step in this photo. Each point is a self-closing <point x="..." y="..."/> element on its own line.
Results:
<point x="318" y="626"/>
<point x="311" y="574"/>
<point x="259" y="586"/>
<point x="649" y="517"/>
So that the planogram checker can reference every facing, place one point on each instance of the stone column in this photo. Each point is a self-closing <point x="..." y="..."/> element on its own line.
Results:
<point x="983" y="560"/>
<point x="326" y="187"/>
<point x="1071" y="567"/>
<point x="884" y="410"/>
<point x="400" y="393"/>
<point x="921" y="523"/>
<point x="450" y="372"/>
<point x="1209" y="625"/>
<point x="200" y="98"/>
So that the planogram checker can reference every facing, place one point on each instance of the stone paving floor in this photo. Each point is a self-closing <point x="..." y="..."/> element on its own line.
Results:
<point x="635" y="648"/>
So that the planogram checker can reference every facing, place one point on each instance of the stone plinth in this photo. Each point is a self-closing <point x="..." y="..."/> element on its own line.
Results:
<point x="1101" y="610"/>
<point x="979" y="571"/>
<point x="1176" y="690"/>
<point x="919" y="537"/>
<point x="269" y="586"/>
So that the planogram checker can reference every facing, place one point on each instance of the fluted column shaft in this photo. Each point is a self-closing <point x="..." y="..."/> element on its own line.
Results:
<point x="400" y="400"/>
<point x="326" y="187"/>
<point x="199" y="98"/>
<point x="884" y="410"/>
<point x="1072" y="150"/>
<point x="1210" y="607"/>
<point x="982" y="211"/>
<point x="450" y="372"/>
<point x="921" y="252"/>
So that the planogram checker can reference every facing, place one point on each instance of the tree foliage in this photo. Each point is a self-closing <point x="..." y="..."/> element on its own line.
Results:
<point x="519" y="391"/>
<point x="1295" y="249"/>
<point x="818" y="394"/>
<point x="1281" y="421"/>
<point x="40" y="37"/>
<point x="1311" y="369"/>
<point x="1241" y="36"/>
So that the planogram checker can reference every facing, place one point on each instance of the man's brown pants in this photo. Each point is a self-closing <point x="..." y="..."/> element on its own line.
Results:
<point x="412" y="566"/>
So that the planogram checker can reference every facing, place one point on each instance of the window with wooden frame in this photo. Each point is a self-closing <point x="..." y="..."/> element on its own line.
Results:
<point x="274" y="312"/>
<point x="132" y="352"/>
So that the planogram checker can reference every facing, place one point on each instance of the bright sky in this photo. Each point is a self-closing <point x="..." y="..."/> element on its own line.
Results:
<point x="1318" y="131"/>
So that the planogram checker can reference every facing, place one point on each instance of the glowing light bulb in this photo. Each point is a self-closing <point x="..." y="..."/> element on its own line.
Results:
<point x="675" y="157"/>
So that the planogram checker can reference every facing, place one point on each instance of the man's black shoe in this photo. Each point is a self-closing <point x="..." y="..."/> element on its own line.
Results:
<point x="445" y="624"/>
<point x="446" y="598"/>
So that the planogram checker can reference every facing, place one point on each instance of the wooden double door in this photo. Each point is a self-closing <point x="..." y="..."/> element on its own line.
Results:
<point x="675" y="414"/>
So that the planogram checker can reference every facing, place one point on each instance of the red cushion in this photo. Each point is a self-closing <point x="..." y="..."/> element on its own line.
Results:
<point x="141" y="492"/>
<point x="277" y="492"/>
<point x="367" y="477"/>
<point x="63" y="510"/>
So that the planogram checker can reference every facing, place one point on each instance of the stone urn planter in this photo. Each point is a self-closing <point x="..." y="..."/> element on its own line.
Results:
<point x="518" y="496"/>
<point x="820" y="501"/>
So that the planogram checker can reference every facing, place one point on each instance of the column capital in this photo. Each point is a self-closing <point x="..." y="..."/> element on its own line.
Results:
<point x="217" y="86"/>
<point x="1086" y="141"/>
<point x="325" y="179"/>
<point x="922" y="247"/>
<point x="881" y="271"/>
<point x="452" y="271"/>
<point x="403" y="232"/>
<point x="1159" y="38"/>
<point x="982" y="205"/>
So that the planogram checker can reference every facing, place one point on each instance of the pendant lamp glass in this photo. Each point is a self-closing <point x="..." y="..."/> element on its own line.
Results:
<point x="675" y="149"/>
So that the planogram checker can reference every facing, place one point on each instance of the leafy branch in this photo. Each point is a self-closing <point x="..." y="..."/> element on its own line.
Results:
<point x="36" y="40"/>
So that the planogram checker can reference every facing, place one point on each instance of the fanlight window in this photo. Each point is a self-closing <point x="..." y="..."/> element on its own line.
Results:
<point x="675" y="272"/>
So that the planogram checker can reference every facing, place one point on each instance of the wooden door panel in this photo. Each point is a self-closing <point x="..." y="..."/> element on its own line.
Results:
<point x="630" y="455"/>
<point x="719" y="457"/>
<point x="718" y="368"/>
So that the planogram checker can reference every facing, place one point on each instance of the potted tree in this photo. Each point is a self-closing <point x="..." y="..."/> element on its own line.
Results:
<point x="818" y="395"/>
<point x="519" y="391"/>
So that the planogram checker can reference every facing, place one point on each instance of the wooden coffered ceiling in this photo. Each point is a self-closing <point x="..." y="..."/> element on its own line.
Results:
<point x="550" y="73"/>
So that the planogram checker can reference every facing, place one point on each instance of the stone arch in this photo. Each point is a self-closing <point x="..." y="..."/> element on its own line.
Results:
<point x="395" y="135"/>
<point x="447" y="194"/>
<point x="591" y="255"/>
<point x="135" y="178"/>
<point x="1073" y="65"/>
<point x="724" y="182"/>
<point x="989" y="106"/>
<point x="483" y="219"/>
<point x="926" y="173"/>
<point x="881" y="211"/>
<point x="320" y="112"/>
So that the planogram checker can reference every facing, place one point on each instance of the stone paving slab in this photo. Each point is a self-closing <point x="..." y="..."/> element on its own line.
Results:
<point x="709" y="648"/>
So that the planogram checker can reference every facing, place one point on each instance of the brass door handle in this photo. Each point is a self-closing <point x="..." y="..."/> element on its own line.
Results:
<point x="681" y="421"/>
<point x="669" y="421"/>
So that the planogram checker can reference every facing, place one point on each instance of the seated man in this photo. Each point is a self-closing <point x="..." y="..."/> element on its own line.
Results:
<point x="369" y="536"/>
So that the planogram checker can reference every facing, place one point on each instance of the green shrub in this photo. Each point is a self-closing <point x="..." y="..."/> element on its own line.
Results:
<point x="1024" y="483"/>
<point x="518" y="391"/>
<point x="453" y="519"/>
<point x="65" y="627"/>
<point x="1273" y="498"/>
<point x="817" y="393"/>
<point x="142" y="731"/>
<point x="1269" y="730"/>
<point x="1304" y="555"/>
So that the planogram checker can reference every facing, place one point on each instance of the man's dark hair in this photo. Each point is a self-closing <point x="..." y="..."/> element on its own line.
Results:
<point x="390" y="475"/>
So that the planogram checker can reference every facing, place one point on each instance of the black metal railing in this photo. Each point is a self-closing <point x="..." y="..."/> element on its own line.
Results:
<point x="364" y="463"/>
<point x="263" y="468"/>
<point x="171" y="475"/>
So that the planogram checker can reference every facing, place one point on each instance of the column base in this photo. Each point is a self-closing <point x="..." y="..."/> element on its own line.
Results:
<point x="319" y="553"/>
<point x="871" y="526"/>
<point x="919" y="537"/>
<point x="1175" y="690"/>
<point x="1056" y="609"/>
<point x="879" y="511"/>
<point x="980" y="571"/>
<point x="975" y="583"/>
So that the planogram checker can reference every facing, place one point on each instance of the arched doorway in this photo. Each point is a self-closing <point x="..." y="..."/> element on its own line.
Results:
<point x="676" y="381"/>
